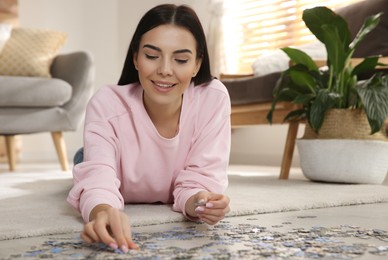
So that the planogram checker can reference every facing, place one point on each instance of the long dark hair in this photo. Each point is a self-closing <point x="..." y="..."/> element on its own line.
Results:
<point x="182" y="16"/>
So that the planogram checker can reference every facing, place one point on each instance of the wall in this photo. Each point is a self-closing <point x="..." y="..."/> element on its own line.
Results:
<point x="90" y="25"/>
<point x="104" y="28"/>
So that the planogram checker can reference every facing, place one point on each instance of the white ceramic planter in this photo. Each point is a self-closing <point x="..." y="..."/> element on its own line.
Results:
<point x="344" y="161"/>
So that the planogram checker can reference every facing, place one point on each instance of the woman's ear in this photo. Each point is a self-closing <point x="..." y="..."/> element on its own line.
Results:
<point x="135" y="60"/>
<point x="197" y="66"/>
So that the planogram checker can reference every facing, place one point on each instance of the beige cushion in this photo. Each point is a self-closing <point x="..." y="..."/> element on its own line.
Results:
<point x="30" y="52"/>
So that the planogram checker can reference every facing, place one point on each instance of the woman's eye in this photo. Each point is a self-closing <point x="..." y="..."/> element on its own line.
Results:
<point x="151" y="57"/>
<point x="181" y="61"/>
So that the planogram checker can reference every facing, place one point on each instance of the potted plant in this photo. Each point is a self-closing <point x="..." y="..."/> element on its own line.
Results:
<point x="324" y="95"/>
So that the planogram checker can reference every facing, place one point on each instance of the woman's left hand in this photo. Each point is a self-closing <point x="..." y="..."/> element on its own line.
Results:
<point x="208" y="207"/>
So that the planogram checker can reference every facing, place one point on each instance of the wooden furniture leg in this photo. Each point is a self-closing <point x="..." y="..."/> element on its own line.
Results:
<point x="60" y="147"/>
<point x="289" y="150"/>
<point x="10" y="145"/>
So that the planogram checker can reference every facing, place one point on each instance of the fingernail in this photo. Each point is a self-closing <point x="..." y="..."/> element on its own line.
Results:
<point x="200" y="209"/>
<point x="124" y="248"/>
<point x="209" y="205"/>
<point x="113" y="245"/>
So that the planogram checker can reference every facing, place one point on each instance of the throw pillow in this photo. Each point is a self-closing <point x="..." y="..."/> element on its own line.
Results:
<point x="5" y="33"/>
<point x="30" y="52"/>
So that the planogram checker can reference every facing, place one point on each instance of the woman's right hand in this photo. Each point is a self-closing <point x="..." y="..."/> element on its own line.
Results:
<point x="109" y="226"/>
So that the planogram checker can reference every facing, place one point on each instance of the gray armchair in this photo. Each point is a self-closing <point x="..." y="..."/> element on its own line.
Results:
<point x="33" y="105"/>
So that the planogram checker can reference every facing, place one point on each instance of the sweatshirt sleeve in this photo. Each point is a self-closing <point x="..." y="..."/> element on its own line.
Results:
<point x="207" y="161"/>
<point x="96" y="179"/>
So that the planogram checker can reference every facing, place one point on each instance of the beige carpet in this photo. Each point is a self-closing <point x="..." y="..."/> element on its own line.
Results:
<point x="33" y="202"/>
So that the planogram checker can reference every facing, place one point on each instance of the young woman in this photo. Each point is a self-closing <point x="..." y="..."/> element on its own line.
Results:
<point x="161" y="135"/>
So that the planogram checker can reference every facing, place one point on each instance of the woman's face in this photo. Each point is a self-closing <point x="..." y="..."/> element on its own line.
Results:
<point x="166" y="62"/>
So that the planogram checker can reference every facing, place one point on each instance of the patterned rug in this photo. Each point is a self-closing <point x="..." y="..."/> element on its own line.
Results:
<point x="33" y="203"/>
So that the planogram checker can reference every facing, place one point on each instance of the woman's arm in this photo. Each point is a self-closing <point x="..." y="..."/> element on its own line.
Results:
<point x="205" y="174"/>
<point x="97" y="179"/>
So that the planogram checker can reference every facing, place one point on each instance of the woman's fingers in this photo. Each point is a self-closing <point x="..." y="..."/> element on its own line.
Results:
<point x="219" y="200"/>
<point x="111" y="227"/>
<point x="215" y="209"/>
<point x="133" y="245"/>
<point x="85" y="237"/>
<point x="212" y="216"/>
<point x="101" y="225"/>
<point x="210" y="219"/>
<point x="128" y="235"/>
<point x="89" y="234"/>
<point x="217" y="205"/>
<point x="213" y="213"/>
<point x="117" y="222"/>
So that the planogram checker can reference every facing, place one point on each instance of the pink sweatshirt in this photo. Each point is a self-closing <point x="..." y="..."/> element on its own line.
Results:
<point x="127" y="161"/>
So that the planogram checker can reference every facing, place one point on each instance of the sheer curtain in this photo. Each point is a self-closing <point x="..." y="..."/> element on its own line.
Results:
<point x="252" y="27"/>
<point x="215" y="37"/>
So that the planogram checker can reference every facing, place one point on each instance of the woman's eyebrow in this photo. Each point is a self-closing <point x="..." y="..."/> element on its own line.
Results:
<point x="158" y="49"/>
<point x="151" y="47"/>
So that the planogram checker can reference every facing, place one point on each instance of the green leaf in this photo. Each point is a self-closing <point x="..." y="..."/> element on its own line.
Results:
<point x="280" y="83"/>
<point x="374" y="96"/>
<point x="332" y="30"/>
<point x="322" y="78"/>
<point x="276" y="92"/>
<point x="336" y="50"/>
<point x="318" y="17"/>
<point x="303" y="79"/>
<point x="296" y="115"/>
<point x="285" y="90"/>
<point x="369" y="24"/>
<point x="270" y="114"/>
<point x="287" y="94"/>
<point x="303" y="99"/>
<point x="300" y="57"/>
<point x="367" y="65"/>
<point x="320" y="105"/>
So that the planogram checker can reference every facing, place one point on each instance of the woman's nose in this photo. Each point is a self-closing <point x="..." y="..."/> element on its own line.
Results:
<point x="165" y="68"/>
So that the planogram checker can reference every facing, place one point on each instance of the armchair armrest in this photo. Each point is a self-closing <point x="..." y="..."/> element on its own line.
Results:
<point x="76" y="68"/>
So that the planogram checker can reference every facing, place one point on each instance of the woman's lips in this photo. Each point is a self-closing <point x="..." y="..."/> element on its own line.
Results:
<point x="163" y="86"/>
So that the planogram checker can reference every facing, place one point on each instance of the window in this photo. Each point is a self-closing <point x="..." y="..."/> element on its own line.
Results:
<point x="252" y="27"/>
